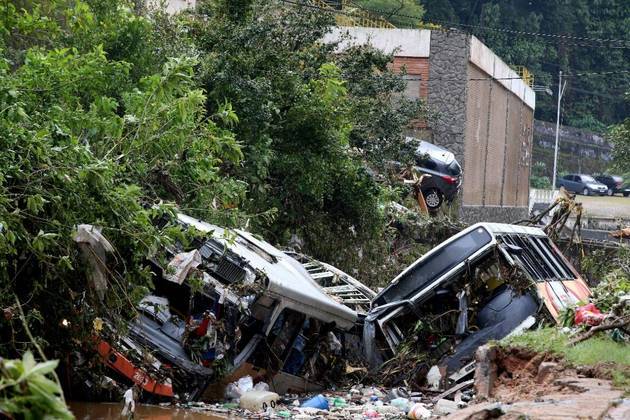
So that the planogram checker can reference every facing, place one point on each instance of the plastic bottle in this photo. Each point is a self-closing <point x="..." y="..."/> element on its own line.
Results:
<point x="400" y="403"/>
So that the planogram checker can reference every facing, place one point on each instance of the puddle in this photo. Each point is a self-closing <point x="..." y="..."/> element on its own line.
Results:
<point x="107" y="411"/>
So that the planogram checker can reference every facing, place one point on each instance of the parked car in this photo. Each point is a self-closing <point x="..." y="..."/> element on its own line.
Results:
<point x="582" y="184"/>
<point x="445" y="171"/>
<point x="614" y="183"/>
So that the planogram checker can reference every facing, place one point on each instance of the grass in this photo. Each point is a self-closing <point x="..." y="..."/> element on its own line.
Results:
<point x="595" y="350"/>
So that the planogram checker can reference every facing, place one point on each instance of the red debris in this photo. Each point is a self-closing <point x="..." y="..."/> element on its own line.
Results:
<point x="588" y="315"/>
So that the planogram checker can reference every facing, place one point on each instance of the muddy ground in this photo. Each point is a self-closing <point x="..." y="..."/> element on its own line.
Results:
<point x="542" y="386"/>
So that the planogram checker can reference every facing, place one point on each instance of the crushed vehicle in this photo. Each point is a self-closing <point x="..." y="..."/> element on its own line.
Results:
<point x="232" y="305"/>
<point x="482" y="284"/>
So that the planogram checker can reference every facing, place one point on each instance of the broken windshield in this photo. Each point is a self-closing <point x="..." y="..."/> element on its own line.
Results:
<point x="434" y="265"/>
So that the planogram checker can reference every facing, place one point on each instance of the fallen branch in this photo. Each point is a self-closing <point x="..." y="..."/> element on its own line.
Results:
<point x="602" y="327"/>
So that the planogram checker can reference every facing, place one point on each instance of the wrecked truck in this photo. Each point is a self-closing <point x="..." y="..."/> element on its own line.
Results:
<point x="231" y="305"/>
<point x="482" y="284"/>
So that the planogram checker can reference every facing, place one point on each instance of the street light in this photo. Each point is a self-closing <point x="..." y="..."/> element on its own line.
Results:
<point x="561" y="87"/>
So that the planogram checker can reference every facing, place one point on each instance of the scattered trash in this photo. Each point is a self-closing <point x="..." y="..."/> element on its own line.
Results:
<point x="258" y="400"/>
<point x="401" y="403"/>
<point x="237" y="389"/>
<point x="419" y="411"/>
<point x="445" y="407"/>
<point x="318" y="401"/>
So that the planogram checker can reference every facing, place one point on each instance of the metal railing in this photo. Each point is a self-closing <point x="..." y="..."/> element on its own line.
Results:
<point x="524" y="73"/>
<point x="346" y="14"/>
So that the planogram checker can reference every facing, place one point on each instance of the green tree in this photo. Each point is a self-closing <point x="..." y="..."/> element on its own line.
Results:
<point x="85" y="138"/>
<point x="592" y="40"/>
<point x="401" y="13"/>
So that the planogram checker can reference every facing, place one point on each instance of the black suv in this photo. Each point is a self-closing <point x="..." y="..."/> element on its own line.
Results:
<point x="614" y="184"/>
<point x="446" y="174"/>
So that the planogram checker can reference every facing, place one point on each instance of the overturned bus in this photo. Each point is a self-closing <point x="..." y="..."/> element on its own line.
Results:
<point x="232" y="305"/>
<point x="482" y="284"/>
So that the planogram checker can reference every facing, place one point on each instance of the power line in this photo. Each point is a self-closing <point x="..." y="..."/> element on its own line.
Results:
<point x="539" y="34"/>
<point x="597" y="73"/>
<point x="577" y="40"/>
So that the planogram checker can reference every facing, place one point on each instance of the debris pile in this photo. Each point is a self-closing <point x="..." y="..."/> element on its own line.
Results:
<point x="232" y="318"/>
<point x="355" y="402"/>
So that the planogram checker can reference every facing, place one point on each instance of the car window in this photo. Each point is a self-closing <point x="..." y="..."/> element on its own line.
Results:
<point x="587" y="178"/>
<point x="568" y="177"/>
<point x="425" y="161"/>
<point x="454" y="168"/>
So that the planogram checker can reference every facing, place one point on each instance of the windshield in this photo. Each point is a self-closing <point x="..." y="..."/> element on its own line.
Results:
<point x="588" y="178"/>
<point x="430" y="268"/>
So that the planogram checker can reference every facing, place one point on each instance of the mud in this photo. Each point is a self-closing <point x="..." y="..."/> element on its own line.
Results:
<point x="518" y="375"/>
<point x="542" y="385"/>
<point x="111" y="411"/>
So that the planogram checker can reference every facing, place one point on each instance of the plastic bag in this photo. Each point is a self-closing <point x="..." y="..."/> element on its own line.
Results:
<point x="236" y="389"/>
<point x="261" y="386"/>
<point x="588" y="315"/>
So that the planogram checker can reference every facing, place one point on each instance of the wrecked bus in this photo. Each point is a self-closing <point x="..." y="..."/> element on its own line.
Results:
<point x="232" y="305"/>
<point x="480" y="285"/>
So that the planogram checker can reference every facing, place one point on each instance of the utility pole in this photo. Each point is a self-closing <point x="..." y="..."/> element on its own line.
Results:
<point x="555" y="153"/>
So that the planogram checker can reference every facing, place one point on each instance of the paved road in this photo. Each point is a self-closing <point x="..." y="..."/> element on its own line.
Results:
<point x="616" y="206"/>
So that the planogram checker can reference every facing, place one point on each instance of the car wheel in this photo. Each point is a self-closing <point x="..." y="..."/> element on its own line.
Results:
<point x="626" y="194"/>
<point x="585" y="191"/>
<point x="433" y="198"/>
<point x="610" y="192"/>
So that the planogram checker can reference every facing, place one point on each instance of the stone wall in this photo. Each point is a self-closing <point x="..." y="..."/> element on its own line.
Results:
<point x="497" y="214"/>
<point x="580" y="151"/>
<point x="447" y="93"/>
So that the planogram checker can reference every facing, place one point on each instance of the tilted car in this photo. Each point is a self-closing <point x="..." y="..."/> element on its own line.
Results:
<point x="582" y="184"/>
<point x="480" y="285"/>
<point x="445" y="171"/>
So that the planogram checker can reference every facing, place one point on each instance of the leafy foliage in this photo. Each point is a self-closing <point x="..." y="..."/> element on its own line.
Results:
<point x="538" y="178"/>
<point x="27" y="391"/>
<point x="85" y="138"/>
<point x="309" y="120"/>
<point x="401" y="13"/>
<point x="620" y="137"/>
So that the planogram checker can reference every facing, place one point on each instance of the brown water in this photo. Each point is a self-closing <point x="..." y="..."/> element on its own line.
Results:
<point x="111" y="411"/>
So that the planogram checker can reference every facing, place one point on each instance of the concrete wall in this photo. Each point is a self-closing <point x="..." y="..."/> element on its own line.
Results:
<point x="402" y="42"/>
<point x="498" y="144"/>
<point x="479" y="109"/>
